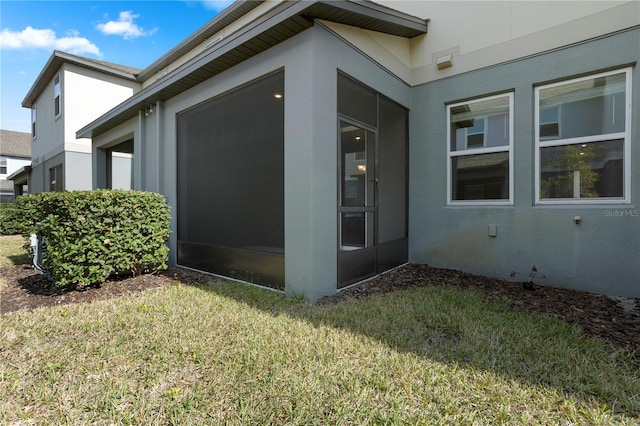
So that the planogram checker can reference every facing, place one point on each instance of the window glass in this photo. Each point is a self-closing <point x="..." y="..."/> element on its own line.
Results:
<point x="480" y="124"/>
<point x="55" y="178"/>
<point x="56" y="95"/>
<point x="564" y="107"/>
<point x="33" y="121"/>
<point x="480" y="140"/>
<point x="582" y="139"/>
<point x="588" y="170"/>
<point x="480" y="177"/>
<point x="3" y="165"/>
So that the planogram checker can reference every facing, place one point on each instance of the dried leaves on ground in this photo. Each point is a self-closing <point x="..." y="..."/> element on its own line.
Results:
<point x="615" y="320"/>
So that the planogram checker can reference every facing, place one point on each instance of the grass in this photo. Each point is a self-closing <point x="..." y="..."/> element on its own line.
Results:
<point x="225" y="353"/>
<point x="11" y="252"/>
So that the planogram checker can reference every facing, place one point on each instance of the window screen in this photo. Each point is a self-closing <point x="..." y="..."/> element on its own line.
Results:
<point x="231" y="172"/>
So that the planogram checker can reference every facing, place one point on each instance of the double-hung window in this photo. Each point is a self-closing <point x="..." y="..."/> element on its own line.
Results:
<point x="582" y="135"/>
<point x="480" y="158"/>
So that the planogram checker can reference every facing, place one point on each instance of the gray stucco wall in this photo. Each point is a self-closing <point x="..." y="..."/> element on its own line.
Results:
<point x="76" y="168"/>
<point x="77" y="171"/>
<point x="601" y="254"/>
<point x="311" y="61"/>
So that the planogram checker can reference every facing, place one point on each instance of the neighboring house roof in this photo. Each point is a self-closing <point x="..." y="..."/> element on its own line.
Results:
<point x="15" y="144"/>
<point x="58" y="58"/>
<point x="280" y="23"/>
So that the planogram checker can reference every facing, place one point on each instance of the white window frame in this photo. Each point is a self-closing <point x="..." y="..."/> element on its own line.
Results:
<point x="624" y="135"/>
<point x="478" y="151"/>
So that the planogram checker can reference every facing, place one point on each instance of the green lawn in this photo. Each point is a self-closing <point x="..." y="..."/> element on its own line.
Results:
<point x="11" y="251"/>
<point x="234" y="354"/>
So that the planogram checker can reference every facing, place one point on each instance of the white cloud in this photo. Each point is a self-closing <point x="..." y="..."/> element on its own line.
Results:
<point x="216" y="5"/>
<point x="34" y="38"/>
<point x="124" y="26"/>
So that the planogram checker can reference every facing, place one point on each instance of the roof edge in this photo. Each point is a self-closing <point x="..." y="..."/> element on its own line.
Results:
<point x="58" y="58"/>
<point x="200" y="35"/>
<point x="20" y="171"/>
<point x="306" y="9"/>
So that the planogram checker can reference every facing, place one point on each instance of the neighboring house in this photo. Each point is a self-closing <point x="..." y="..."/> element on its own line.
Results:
<point x="70" y="92"/>
<point x="307" y="145"/>
<point x="15" y="157"/>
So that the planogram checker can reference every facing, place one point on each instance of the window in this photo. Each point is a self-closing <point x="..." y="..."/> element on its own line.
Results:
<point x="3" y="165"/>
<point x="33" y="121"/>
<point x="480" y="137"/>
<point x="55" y="178"/>
<point x="56" y="95"/>
<point x="582" y="139"/>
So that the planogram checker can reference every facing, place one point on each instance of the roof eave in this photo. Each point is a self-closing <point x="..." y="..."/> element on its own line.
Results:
<point x="20" y="171"/>
<point x="215" y="25"/>
<point x="391" y="21"/>
<point x="56" y="60"/>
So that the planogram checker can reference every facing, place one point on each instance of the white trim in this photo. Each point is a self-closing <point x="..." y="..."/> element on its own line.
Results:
<point x="478" y="151"/>
<point x="624" y="135"/>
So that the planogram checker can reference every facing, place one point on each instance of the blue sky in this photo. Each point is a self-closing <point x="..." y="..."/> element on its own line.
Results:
<point x="133" y="33"/>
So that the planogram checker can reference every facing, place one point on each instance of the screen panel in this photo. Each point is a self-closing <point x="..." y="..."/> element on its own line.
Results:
<point x="231" y="175"/>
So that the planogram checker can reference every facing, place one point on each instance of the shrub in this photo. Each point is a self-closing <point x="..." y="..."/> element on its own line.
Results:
<point x="18" y="217"/>
<point x="91" y="235"/>
<point x="7" y="219"/>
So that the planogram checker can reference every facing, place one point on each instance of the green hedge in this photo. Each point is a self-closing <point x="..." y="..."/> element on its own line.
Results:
<point x="91" y="235"/>
<point x="18" y="217"/>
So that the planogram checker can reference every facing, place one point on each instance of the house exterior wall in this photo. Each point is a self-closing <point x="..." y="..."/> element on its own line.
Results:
<point x="85" y="95"/>
<point x="482" y="34"/>
<point x="121" y="179"/>
<point x="497" y="48"/>
<point x="598" y="255"/>
<point x="129" y="130"/>
<point x="39" y="180"/>
<point x="77" y="170"/>
<point x="311" y="61"/>
<point x="48" y="141"/>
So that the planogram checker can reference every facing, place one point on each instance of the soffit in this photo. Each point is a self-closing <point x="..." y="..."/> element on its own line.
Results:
<point x="280" y="23"/>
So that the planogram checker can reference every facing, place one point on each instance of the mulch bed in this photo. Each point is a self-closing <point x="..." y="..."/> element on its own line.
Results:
<point x="615" y="320"/>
